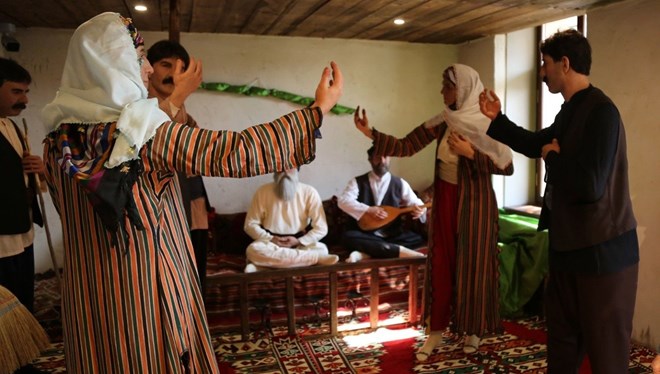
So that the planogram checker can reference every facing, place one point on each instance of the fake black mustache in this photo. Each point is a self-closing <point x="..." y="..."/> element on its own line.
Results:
<point x="19" y="106"/>
<point x="168" y="80"/>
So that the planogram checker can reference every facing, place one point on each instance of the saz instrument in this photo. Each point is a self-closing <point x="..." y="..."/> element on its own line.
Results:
<point x="369" y="223"/>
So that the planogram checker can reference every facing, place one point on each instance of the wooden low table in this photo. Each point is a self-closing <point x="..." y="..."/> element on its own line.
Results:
<point x="243" y="280"/>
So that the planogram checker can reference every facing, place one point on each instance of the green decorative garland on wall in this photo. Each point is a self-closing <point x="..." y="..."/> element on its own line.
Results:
<point x="259" y="91"/>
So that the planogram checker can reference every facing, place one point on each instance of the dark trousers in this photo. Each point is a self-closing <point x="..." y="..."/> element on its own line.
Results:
<point x="377" y="247"/>
<point x="200" y="240"/>
<point x="17" y="275"/>
<point x="590" y="314"/>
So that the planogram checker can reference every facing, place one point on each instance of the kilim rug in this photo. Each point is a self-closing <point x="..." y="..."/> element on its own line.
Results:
<point x="389" y="350"/>
<point x="521" y="349"/>
<point x="287" y="354"/>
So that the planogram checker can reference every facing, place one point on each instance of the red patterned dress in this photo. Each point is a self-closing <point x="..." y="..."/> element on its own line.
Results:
<point x="462" y="239"/>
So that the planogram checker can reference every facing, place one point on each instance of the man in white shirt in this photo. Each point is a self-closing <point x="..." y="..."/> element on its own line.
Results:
<point x="364" y="195"/>
<point x="287" y="222"/>
<point x="18" y="189"/>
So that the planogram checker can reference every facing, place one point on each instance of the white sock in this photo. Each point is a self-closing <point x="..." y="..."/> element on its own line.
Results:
<point x="471" y="344"/>
<point x="356" y="256"/>
<point x="251" y="268"/>
<point x="407" y="252"/>
<point x="433" y="340"/>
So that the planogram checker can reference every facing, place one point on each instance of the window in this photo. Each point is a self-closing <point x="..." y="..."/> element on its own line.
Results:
<point x="549" y="104"/>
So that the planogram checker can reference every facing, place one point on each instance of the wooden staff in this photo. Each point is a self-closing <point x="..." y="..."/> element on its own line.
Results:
<point x="370" y="223"/>
<point x="43" y="213"/>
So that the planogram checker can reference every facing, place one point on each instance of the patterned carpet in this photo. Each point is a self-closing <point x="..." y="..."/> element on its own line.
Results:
<point x="521" y="349"/>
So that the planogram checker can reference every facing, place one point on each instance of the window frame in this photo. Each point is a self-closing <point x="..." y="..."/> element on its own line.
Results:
<point x="539" y="175"/>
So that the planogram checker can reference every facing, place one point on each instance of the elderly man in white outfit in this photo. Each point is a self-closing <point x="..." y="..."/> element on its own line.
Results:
<point x="287" y="222"/>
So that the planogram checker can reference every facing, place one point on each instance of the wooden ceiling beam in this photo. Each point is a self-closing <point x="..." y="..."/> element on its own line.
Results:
<point x="175" y="21"/>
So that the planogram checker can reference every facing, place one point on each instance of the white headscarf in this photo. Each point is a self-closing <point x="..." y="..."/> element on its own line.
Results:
<point x="101" y="83"/>
<point x="468" y="120"/>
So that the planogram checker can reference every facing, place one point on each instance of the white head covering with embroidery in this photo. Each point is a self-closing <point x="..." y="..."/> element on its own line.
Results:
<point x="468" y="120"/>
<point x="101" y="83"/>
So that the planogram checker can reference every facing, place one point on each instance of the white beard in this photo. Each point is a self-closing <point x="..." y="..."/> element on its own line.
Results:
<point x="286" y="186"/>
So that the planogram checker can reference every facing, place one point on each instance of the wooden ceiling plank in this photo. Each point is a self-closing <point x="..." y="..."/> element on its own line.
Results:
<point x="428" y="21"/>
<point x="510" y="19"/>
<point x="383" y="14"/>
<point x="31" y="13"/>
<point x="423" y="18"/>
<point x="466" y="14"/>
<point x="347" y="15"/>
<point x="295" y="13"/>
<point x="339" y="14"/>
<point x="233" y="15"/>
<point x="204" y="16"/>
<point x="265" y="14"/>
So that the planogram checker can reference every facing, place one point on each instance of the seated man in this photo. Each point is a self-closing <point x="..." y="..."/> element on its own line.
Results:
<point x="286" y="221"/>
<point x="363" y="195"/>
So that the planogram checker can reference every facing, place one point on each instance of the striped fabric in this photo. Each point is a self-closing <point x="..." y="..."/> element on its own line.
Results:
<point x="137" y="307"/>
<point x="476" y="304"/>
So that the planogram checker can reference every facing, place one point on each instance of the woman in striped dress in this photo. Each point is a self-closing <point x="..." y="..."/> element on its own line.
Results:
<point x="464" y="224"/>
<point x="131" y="300"/>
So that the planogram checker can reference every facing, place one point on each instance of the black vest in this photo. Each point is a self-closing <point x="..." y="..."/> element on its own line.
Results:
<point x="392" y="198"/>
<point x="577" y="224"/>
<point x="18" y="199"/>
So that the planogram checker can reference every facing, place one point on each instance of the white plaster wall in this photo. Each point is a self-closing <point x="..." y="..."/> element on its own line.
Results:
<point x="624" y="38"/>
<point x="398" y="83"/>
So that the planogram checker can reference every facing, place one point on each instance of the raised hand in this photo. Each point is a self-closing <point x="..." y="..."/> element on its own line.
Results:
<point x="362" y="123"/>
<point x="330" y="88"/>
<point x="185" y="81"/>
<point x="489" y="104"/>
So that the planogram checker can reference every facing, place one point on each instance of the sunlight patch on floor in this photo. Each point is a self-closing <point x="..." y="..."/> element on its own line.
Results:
<point x="382" y="335"/>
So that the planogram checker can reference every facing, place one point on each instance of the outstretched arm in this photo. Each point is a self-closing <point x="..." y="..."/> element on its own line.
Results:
<point x="282" y="144"/>
<point x="521" y="140"/>
<point x="285" y="143"/>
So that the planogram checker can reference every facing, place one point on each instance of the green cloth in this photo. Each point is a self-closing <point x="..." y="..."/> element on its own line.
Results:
<point x="249" y="90"/>
<point x="523" y="261"/>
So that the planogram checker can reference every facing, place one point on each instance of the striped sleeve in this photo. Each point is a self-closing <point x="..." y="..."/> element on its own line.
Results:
<point x="412" y="143"/>
<point x="483" y="164"/>
<point x="284" y="143"/>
